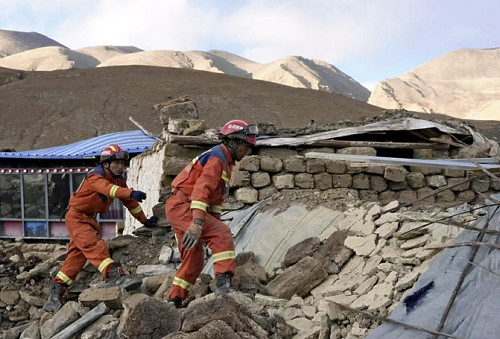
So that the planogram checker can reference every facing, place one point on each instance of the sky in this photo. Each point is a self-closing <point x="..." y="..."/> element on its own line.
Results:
<point x="369" y="40"/>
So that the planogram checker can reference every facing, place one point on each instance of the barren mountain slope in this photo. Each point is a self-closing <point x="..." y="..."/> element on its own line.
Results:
<point x="48" y="59"/>
<point x="12" y="42"/>
<point x="103" y="53"/>
<point x="464" y="83"/>
<point x="305" y="73"/>
<point x="44" y="109"/>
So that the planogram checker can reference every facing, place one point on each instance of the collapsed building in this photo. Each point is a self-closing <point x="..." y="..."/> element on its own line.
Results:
<point x="333" y="225"/>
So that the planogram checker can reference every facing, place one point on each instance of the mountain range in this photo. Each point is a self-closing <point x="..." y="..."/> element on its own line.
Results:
<point x="48" y="55"/>
<point x="72" y="102"/>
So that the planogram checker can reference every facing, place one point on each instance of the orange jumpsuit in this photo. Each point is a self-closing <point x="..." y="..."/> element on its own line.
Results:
<point x="95" y="195"/>
<point x="198" y="192"/>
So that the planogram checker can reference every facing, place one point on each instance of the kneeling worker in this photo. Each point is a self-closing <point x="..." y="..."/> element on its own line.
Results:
<point x="95" y="195"/>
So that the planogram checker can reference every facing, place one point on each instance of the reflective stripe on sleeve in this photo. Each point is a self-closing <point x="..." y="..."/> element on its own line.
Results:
<point x="105" y="264"/>
<point x="224" y="176"/>
<point x="182" y="283"/>
<point x="113" y="190"/>
<point x="64" y="278"/>
<point x="200" y="205"/>
<point x="223" y="256"/>
<point x="215" y="209"/>
<point x="136" y="210"/>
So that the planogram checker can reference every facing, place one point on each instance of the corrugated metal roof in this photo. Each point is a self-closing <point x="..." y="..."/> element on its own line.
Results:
<point x="131" y="141"/>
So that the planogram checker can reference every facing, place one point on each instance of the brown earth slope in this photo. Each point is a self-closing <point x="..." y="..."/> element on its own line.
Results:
<point x="44" y="109"/>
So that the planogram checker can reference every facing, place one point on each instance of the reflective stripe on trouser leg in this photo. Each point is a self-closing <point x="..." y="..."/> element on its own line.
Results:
<point x="179" y="214"/>
<point x="85" y="243"/>
<point x="73" y="264"/>
<point x="220" y="240"/>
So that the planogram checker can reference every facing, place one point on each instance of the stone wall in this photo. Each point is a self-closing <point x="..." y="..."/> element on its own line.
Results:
<point x="275" y="169"/>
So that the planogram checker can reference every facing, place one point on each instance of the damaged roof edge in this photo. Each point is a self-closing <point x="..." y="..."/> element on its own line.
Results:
<point x="391" y="125"/>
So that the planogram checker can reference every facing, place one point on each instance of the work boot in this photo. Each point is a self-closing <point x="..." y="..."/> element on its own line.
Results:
<point x="177" y="303"/>
<point x="224" y="283"/>
<point x="117" y="277"/>
<point x="58" y="295"/>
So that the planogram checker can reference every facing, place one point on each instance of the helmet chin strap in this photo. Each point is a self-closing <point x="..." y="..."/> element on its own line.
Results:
<point x="232" y="145"/>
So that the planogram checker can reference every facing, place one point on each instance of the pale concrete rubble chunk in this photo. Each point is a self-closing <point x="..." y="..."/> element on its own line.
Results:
<point x="407" y="281"/>
<point x="150" y="270"/>
<point x="165" y="254"/>
<point x="301" y="324"/>
<point x="371" y="265"/>
<point x="366" y="285"/>
<point x="414" y="242"/>
<point x="295" y="301"/>
<point x="380" y="245"/>
<point x="424" y="254"/>
<point x="442" y="232"/>
<point x="353" y="266"/>
<point x="391" y="205"/>
<point x="391" y="254"/>
<point x="309" y="311"/>
<point x="342" y="299"/>
<point x="311" y="333"/>
<point x="325" y="288"/>
<point x="266" y="300"/>
<point x="391" y="278"/>
<point x="387" y="217"/>
<point x="292" y="313"/>
<point x="411" y="229"/>
<point x="365" y="227"/>
<point x="411" y="253"/>
<point x="351" y="219"/>
<point x="358" y="331"/>
<point x="385" y="267"/>
<point x="373" y="209"/>
<point x="342" y="285"/>
<point x="387" y="230"/>
<point x="363" y="246"/>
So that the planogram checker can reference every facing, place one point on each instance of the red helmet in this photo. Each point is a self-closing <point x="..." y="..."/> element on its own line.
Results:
<point x="240" y="129"/>
<point x="113" y="152"/>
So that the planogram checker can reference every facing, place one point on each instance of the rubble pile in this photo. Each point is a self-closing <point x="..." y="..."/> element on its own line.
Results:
<point x="369" y="265"/>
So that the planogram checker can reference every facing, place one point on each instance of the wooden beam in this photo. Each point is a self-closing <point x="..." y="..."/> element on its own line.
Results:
<point x="380" y="144"/>
<point x="200" y="140"/>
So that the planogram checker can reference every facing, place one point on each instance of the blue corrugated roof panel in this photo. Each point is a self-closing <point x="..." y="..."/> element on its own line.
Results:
<point x="131" y="141"/>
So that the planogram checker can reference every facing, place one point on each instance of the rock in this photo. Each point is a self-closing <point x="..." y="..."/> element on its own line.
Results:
<point x="150" y="270"/>
<point x="32" y="332"/>
<point x="223" y="308"/>
<point x="165" y="254"/>
<point x="111" y="296"/>
<point x="300" y="250"/>
<point x="128" y="305"/>
<point x="67" y="315"/>
<point x="298" y="279"/>
<point x="151" y="319"/>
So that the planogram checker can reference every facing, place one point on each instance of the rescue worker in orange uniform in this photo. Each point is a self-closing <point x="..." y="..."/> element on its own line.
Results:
<point x="196" y="204"/>
<point x="95" y="194"/>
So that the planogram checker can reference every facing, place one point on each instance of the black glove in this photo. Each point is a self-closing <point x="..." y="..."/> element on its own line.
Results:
<point x="151" y="222"/>
<point x="138" y="195"/>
